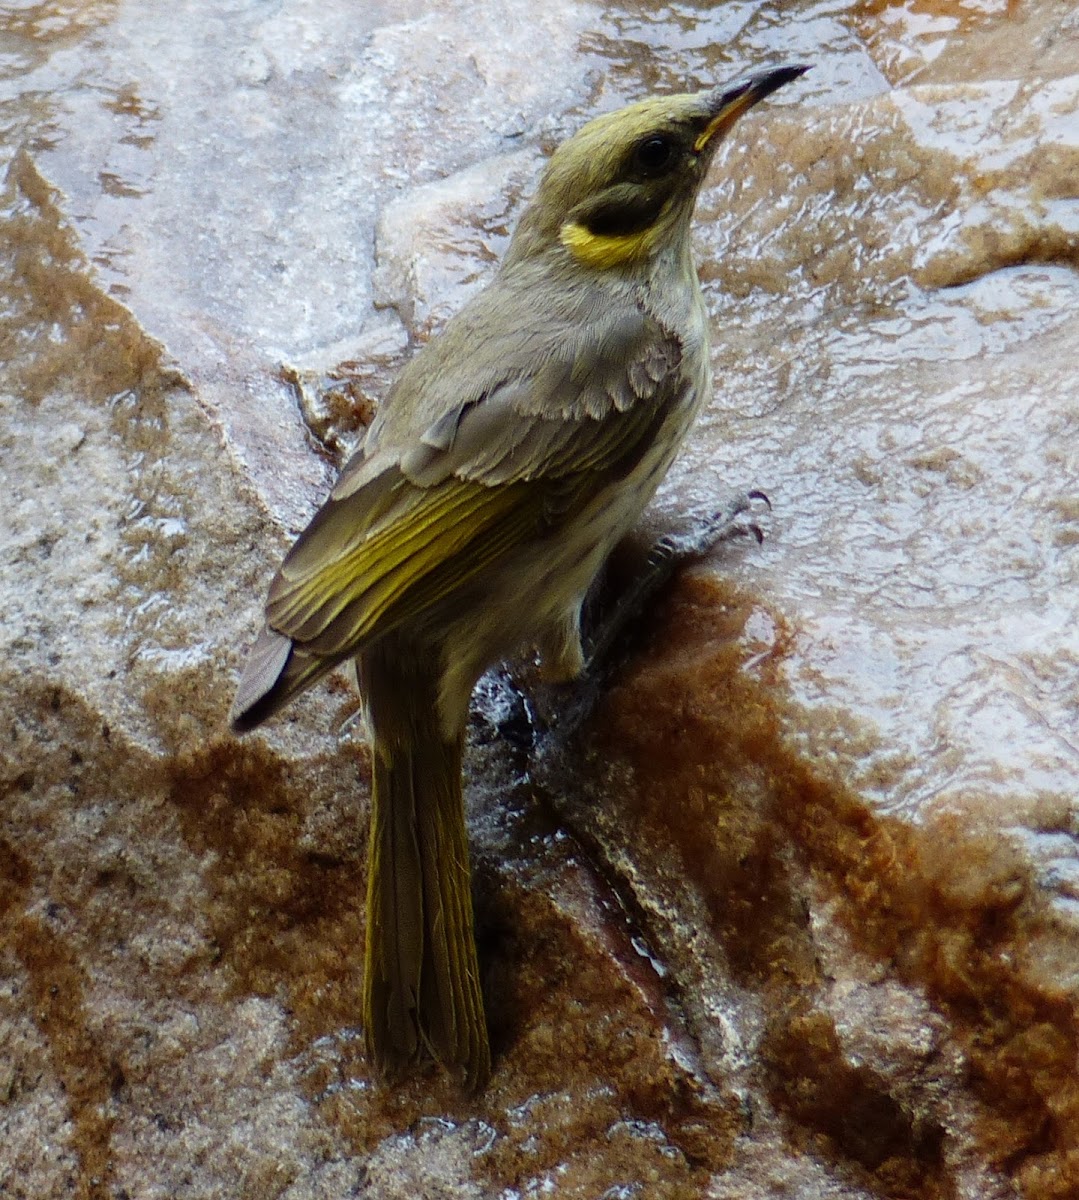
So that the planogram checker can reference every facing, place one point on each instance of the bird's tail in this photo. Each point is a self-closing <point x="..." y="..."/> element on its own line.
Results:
<point x="421" y="987"/>
<point x="276" y="670"/>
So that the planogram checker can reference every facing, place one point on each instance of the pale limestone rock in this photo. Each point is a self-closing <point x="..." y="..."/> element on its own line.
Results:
<point x="798" y="913"/>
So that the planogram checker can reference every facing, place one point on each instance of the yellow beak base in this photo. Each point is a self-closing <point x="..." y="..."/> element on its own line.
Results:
<point x="733" y="101"/>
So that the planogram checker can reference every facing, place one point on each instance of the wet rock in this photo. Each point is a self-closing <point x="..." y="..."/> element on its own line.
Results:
<point x="796" y="911"/>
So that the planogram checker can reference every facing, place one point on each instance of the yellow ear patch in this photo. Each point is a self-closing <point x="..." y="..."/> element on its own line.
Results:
<point x="603" y="252"/>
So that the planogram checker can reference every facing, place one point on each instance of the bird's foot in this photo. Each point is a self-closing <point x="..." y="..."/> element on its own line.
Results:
<point x="614" y="616"/>
<point x="667" y="554"/>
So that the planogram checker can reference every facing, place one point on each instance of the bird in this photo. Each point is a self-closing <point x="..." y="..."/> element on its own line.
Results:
<point x="511" y="455"/>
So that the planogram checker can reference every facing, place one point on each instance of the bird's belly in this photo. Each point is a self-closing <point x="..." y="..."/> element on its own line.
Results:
<point x="543" y="584"/>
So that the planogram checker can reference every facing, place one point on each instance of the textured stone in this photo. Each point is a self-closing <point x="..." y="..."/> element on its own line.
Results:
<point x="796" y="911"/>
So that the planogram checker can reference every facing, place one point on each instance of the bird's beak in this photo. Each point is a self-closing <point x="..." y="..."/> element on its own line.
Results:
<point x="725" y="105"/>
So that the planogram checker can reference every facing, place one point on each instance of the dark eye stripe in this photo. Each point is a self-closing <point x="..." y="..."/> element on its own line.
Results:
<point x="616" y="218"/>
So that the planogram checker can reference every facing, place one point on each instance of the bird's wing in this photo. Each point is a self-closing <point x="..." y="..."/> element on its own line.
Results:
<point x="401" y="533"/>
<point x="548" y="420"/>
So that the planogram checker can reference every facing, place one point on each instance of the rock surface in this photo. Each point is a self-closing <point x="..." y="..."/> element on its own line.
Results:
<point x="797" y="913"/>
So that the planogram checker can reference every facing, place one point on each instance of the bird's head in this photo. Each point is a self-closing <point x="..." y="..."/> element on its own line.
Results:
<point x="622" y="189"/>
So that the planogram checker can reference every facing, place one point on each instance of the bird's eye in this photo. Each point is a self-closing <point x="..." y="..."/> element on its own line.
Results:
<point x="654" y="156"/>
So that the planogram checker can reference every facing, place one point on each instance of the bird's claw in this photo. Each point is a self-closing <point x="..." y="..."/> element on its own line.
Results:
<point x="664" y="558"/>
<point x="707" y="533"/>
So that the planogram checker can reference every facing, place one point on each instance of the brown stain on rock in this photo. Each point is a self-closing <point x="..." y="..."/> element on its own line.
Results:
<point x="46" y="286"/>
<point x="88" y="1078"/>
<point x="285" y="917"/>
<point x="941" y="906"/>
<point x="849" y="1110"/>
<point x="586" y="1092"/>
<point x="592" y="1035"/>
<point x="55" y="732"/>
<point x="57" y="1002"/>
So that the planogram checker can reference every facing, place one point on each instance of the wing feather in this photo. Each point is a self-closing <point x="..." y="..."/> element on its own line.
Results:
<point x="402" y="533"/>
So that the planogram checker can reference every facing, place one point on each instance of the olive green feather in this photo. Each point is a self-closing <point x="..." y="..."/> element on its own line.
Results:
<point x="510" y="456"/>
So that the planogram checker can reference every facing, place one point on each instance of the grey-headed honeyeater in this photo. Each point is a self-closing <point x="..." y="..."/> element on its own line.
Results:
<point x="510" y="456"/>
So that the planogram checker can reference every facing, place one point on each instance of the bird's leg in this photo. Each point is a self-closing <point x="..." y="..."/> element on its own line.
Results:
<point x="559" y="700"/>
<point x="667" y="554"/>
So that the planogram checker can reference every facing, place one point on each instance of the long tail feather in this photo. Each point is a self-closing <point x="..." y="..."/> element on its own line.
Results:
<point x="421" y="989"/>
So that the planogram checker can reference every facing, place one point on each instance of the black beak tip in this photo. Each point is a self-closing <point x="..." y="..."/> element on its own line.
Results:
<point x="754" y="88"/>
<point x="793" y="70"/>
<point x="766" y="82"/>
